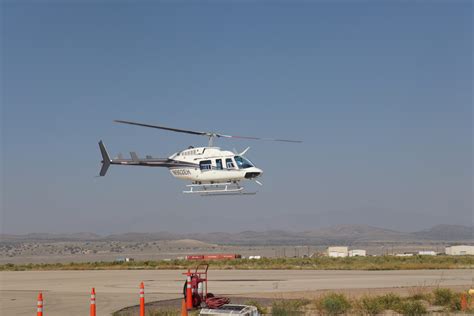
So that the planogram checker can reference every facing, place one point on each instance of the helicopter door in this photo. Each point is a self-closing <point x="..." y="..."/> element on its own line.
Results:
<point x="229" y="163"/>
<point x="219" y="164"/>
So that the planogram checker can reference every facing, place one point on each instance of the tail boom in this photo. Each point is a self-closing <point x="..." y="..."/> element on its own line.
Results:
<point x="136" y="161"/>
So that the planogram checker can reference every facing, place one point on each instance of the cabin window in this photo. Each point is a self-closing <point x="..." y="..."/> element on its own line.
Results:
<point x="242" y="162"/>
<point x="229" y="163"/>
<point x="219" y="164"/>
<point x="205" y="165"/>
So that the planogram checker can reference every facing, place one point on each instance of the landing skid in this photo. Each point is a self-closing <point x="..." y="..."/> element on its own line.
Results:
<point x="213" y="189"/>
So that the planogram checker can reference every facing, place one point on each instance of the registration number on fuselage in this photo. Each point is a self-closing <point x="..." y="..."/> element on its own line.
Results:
<point x="181" y="172"/>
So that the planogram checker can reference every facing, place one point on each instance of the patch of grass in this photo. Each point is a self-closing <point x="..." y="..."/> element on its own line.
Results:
<point x="163" y="313"/>
<point x="300" y="302"/>
<point x="289" y="307"/>
<point x="390" y="301"/>
<point x="422" y="296"/>
<point x="318" y="263"/>
<point x="374" y="305"/>
<point x="420" y="293"/>
<point x="443" y="297"/>
<point x="371" y="305"/>
<point x="261" y="309"/>
<point x="281" y="309"/>
<point x="411" y="308"/>
<point x="333" y="304"/>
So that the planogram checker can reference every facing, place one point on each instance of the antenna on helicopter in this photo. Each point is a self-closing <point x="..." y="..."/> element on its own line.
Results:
<point x="210" y="135"/>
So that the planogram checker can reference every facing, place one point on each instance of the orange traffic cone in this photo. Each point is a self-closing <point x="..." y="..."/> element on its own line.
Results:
<point x="39" y="306"/>
<point x="184" y="309"/>
<point x="92" y="312"/>
<point x="189" y="291"/>
<point x="142" y="299"/>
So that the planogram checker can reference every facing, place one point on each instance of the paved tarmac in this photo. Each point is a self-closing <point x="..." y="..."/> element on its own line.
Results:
<point x="67" y="292"/>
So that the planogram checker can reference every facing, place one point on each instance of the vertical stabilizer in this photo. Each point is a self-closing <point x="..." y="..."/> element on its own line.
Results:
<point x="105" y="159"/>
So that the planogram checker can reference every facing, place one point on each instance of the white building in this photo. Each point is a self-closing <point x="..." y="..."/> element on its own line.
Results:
<point x="460" y="250"/>
<point x="357" y="253"/>
<point x="255" y="257"/>
<point x="427" y="253"/>
<point x="337" y="252"/>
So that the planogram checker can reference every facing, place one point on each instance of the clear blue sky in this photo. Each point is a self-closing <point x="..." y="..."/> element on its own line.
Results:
<point x="380" y="92"/>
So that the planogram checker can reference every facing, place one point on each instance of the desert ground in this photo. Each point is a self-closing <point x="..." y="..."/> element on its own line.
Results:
<point x="67" y="292"/>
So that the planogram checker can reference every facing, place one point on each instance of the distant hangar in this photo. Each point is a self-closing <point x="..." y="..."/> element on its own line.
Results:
<point x="460" y="250"/>
<point x="338" y="252"/>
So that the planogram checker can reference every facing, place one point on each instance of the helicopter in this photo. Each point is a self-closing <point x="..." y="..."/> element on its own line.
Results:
<point x="211" y="170"/>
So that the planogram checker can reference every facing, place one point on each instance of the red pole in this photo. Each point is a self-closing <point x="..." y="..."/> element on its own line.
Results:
<point x="39" y="306"/>
<point x="142" y="299"/>
<point x="92" y="313"/>
<point x="189" y="291"/>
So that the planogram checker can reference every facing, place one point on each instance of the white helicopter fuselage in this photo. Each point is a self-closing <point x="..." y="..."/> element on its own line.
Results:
<point x="208" y="165"/>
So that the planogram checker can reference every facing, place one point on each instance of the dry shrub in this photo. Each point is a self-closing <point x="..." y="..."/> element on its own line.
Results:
<point x="333" y="304"/>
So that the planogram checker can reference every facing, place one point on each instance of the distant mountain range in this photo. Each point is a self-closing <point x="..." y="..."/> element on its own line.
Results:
<point x="447" y="232"/>
<point x="347" y="234"/>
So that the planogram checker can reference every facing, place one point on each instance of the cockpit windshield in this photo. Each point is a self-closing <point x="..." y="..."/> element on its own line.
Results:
<point x="242" y="163"/>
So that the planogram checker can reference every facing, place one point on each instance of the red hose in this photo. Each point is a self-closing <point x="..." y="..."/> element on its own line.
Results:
<point x="216" y="302"/>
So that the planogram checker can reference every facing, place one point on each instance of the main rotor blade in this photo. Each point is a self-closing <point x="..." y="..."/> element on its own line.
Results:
<point x="165" y="128"/>
<point x="264" y="139"/>
<point x="209" y="134"/>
